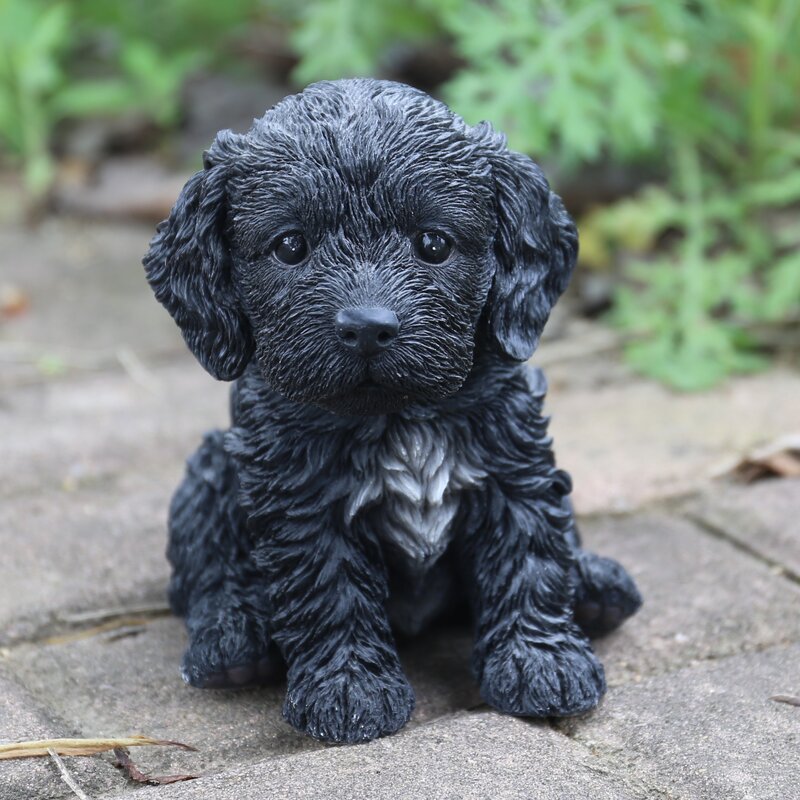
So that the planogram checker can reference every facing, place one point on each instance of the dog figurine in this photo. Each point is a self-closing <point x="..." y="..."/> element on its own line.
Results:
<point x="373" y="273"/>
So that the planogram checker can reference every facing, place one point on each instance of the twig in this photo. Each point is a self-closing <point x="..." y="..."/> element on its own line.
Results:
<point x="125" y="763"/>
<point x="137" y="370"/>
<point x="790" y="700"/>
<point x="68" y="779"/>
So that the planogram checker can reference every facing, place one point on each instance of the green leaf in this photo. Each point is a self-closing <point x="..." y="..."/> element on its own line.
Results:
<point x="339" y="38"/>
<point x="90" y="98"/>
<point x="783" y="288"/>
<point x="779" y="191"/>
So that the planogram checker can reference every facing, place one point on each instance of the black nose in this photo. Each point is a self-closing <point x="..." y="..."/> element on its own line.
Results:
<point x="368" y="331"/>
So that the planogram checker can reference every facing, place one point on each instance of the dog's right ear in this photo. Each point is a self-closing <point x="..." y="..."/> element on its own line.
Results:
<point x="189" y="268"/>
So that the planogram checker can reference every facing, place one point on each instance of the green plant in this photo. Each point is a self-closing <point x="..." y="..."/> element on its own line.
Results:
<point x="707" y="89"/>
<point x="734" y="163"/>
<point x="168" y="25"/>
<point x="147" y="82"/>
<point x="32" y="40"/>
<point x="43" y="80"/>
<point x="569" y="79"/>
<point x="347" y="37"/>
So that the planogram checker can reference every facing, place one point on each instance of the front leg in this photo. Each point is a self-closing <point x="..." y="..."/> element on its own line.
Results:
<point x="327" y="593"/>
<point x="530" y="657"/>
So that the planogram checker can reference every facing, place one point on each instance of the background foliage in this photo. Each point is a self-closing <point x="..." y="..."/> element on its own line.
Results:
<point x="702" y="94"/>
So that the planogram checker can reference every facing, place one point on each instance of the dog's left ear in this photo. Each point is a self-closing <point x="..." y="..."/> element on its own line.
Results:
<point x="536" y="245"/>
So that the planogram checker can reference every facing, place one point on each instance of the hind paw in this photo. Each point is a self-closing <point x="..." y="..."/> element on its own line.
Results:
<point x="605" y="595"/>
<point x="230" y="654"/>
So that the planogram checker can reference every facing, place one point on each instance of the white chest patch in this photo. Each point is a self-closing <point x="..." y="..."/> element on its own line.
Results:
<point x="415" y="478"/>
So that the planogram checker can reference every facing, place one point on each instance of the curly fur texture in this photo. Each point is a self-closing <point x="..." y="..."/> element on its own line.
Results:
<point x="359" y="496"/>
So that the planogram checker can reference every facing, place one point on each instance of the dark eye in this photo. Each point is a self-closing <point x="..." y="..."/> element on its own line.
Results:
<point x="433" y="247"/>
<point x="290" y="248"/>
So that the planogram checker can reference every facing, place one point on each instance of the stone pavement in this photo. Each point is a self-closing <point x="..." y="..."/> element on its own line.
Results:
<point x="99" y="405"/>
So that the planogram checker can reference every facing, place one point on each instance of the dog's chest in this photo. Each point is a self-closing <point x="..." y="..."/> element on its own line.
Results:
<point x="413" y="483"/>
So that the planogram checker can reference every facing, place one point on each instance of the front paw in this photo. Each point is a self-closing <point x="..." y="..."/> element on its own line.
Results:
<point x="558" y="679"/>
<point x="349" y="705"/>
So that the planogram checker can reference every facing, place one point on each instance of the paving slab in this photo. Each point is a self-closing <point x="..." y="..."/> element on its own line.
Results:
<point x="87" y="299"/>
<point x="478" y="755"/>
<point x="707" y="733"/>
<point x="115" y="686"/>
<point x="120" y="681"/>
<point x="127" y="680"/>
<point x="764" y="518"/>
<point x="75" y="433"/>
<point x="86" y="477"/>
<point x="38" y="778"/>
<point x="703" y="598"/>
<point x="629" y="442"/>
<point x="61" y="552"/>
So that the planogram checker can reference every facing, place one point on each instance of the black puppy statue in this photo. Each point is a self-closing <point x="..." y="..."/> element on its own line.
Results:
<point x="373" y="273"/>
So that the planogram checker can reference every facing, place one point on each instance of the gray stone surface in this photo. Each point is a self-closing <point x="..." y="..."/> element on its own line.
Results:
<point x="468" y="756"/>
<point x="707" y="733"/>
<point x="763" y="518"/>
<point x="703" y="598"/>
<point x="118" y="686"/>
<point x="626" y="440"/>
<point x="65" y="435"/>
<point x="88" y="299"/>
<point x="87" y="472"/>
<point x="112" y="686"/>
<point x="121" y="681"/>
<point x="38" y="778"/>
<point x="80" y="550"/>
<point x="629" y="442"/>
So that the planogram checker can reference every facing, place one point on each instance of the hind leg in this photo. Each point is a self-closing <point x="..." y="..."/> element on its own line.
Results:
<point x="605" y="594"/>
<point x="215" y="585"/>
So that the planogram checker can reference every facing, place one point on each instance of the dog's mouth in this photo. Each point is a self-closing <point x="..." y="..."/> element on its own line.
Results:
<point x="371" y="390"/>
<point x="369" y="385"/>
<point x="367" y="397"/>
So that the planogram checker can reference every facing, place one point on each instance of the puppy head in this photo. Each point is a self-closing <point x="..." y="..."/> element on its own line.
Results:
<point x="361" y="241"/>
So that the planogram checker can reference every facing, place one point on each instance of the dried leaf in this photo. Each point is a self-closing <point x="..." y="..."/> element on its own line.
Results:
<point x="80" y="747"/>
<point x="13" y="301"/>
<point x="779" y="459"/>
<point x="124" y="762"/>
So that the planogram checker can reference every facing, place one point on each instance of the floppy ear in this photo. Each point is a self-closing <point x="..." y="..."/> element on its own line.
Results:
<point x="536" y="245"/>
<point x="189" y="267"/>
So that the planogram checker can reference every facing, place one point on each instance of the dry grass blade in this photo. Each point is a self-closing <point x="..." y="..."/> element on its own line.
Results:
<point x="123" y="623"/>
<point x="124" y="762"/>
<point x="97" y="615"/>
<point x="80" y="747"/>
